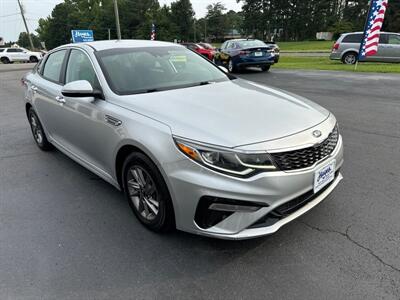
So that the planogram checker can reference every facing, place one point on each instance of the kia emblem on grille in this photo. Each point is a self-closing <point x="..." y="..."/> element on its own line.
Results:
<point x="317" y="133"/>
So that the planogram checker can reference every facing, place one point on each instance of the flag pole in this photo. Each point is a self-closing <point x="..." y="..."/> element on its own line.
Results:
<point x="364" y="34"/>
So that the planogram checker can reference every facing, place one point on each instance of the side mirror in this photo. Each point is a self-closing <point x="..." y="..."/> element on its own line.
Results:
<point x="80" y="89"/>
<point x="223" y="69"/>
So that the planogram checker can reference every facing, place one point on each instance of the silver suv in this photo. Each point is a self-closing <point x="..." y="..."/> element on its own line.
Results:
<point x="347" y="46"/>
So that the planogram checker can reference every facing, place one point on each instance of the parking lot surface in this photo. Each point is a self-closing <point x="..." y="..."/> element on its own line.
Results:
<point x="65" y="233"/>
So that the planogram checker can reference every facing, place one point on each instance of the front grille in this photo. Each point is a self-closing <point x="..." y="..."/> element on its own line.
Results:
<point x="307" y="157"/>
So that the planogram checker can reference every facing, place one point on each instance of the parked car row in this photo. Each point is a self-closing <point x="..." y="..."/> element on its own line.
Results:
<point x="11" y="55"/>
<point x="238" y="54"/>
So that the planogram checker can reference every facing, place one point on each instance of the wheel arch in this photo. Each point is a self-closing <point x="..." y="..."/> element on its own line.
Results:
<point x="28" y="106"/>
<point x="348" y="51"/>
<point x="124" y="151"/>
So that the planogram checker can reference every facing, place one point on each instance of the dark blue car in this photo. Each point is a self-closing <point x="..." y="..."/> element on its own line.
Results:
<point x="241" y="53"/>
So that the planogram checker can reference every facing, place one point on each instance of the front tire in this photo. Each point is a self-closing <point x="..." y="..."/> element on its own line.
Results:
<point x="349" y="58"/>
<point x="38" y="132"/>
<point x="147" y="193"/>
<point x="33" y="59"/>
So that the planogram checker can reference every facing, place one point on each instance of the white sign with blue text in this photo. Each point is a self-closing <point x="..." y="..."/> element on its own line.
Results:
<point x="82" y="36"/>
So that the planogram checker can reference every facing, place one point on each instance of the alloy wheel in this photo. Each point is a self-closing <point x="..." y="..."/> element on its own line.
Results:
<point x="143" y="192"/>
<point x="36" y="129"/>
<point x="350" y="59"/>
<point x="230" y="66"/>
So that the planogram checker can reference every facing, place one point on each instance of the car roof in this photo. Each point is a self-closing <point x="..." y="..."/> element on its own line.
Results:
<point x="112" y="44"/>
<point x="361" y="32"/>
<point x="242" y="40"/>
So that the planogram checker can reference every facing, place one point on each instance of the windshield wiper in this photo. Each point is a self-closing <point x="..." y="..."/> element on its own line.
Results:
<point x="206" y="82"/>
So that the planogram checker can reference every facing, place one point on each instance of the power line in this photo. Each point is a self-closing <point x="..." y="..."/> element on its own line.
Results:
<point x="10" y="15"/>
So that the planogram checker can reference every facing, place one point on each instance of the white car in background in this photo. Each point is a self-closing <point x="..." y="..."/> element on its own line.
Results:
<point x="10" y="55"/>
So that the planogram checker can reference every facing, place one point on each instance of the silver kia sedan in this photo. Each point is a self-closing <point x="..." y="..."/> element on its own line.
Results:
<point x="190" y="146"/>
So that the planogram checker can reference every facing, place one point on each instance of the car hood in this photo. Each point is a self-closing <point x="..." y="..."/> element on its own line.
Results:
<point x="229" y="114"/>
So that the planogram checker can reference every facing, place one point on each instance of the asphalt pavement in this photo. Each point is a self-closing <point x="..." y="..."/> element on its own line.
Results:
<point x="66" y="234"/>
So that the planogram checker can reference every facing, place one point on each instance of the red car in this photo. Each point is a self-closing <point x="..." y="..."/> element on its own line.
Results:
<point x="201" y="49"/>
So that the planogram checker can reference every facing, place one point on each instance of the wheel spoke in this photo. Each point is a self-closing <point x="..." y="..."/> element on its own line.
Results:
<point x="138" y="175"/>
<point x="152" y="207"/>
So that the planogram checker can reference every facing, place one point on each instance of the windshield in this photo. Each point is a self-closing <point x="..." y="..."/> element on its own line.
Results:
<point x="152" y="69"/>
<point x="251" y="44"/>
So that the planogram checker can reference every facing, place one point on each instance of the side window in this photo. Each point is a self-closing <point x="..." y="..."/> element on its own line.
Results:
<point x="53" y="66"/>
<point x="229" y="45"/>
<point x="80" y="68"/>
<point x="1" y="50"/>
<point x="394" y="39"/>
<point x="353" y="38"/>
<point x="383" y="39"/>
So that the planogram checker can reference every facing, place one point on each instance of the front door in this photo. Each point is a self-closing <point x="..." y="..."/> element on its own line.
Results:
<point x="85" y="131"/>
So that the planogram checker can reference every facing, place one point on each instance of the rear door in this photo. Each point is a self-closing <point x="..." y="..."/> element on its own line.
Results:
<point x="46" y="87"/>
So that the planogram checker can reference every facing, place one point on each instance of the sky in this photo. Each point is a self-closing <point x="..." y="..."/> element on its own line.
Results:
<point x="11" y="23"/>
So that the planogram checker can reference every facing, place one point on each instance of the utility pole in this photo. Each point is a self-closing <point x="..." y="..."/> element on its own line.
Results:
<point x="116" y="19"/>
<point x="109" y="34"/>
<point x="26" y="25"/>
<point x="205" y="30"/>
<point x="194" y="27"/>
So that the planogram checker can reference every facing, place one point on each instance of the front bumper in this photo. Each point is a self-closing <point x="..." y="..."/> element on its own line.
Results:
<point x="190" y="182"/>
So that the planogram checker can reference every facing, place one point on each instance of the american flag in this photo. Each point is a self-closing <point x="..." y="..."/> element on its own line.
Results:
<point x="153" y="32"/>
<point x="372" y="32"/>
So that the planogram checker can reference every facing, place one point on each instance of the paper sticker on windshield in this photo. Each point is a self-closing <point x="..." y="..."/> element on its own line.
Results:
<point x="178" y="58"/>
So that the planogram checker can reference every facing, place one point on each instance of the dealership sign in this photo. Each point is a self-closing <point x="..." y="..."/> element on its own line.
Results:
<point x="81" y="36"/>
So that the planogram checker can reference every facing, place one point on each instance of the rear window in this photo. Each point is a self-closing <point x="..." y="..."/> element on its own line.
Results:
<point x="250" y="44"/>
<point x="353" y="38"/>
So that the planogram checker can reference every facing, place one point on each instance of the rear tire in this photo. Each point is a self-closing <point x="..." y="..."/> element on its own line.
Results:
<point x="231" y="67"/>
<point x="5" y="60"/>
<point x="265" y="68"/>
<point x="147" y="193"/>
<point x="38" y="132"/>
<point x="349" y="58"/>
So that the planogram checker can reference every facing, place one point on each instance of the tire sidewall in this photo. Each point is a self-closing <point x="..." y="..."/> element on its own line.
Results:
<point x="347" y="55"/>
<point x="44" y="145"/>
<point x="164" y="219"/>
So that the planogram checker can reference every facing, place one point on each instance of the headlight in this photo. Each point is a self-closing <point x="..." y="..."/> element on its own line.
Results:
<point x="227" y="161"/>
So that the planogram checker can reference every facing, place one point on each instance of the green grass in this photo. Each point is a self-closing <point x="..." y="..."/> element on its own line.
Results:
<point x="306" y="46"/>
<point x="324" y="63"/>
<point x="300" y="46"/>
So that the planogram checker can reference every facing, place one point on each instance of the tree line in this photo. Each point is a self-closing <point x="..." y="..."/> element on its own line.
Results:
<point x="289" y="20"/>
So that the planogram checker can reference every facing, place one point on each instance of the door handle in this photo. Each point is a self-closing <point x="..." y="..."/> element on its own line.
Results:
<point x="60" y="99"/>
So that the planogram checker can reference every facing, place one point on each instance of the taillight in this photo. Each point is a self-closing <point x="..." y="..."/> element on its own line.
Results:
<point x="336" y="46"/>
<point x="244" y="52"/>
